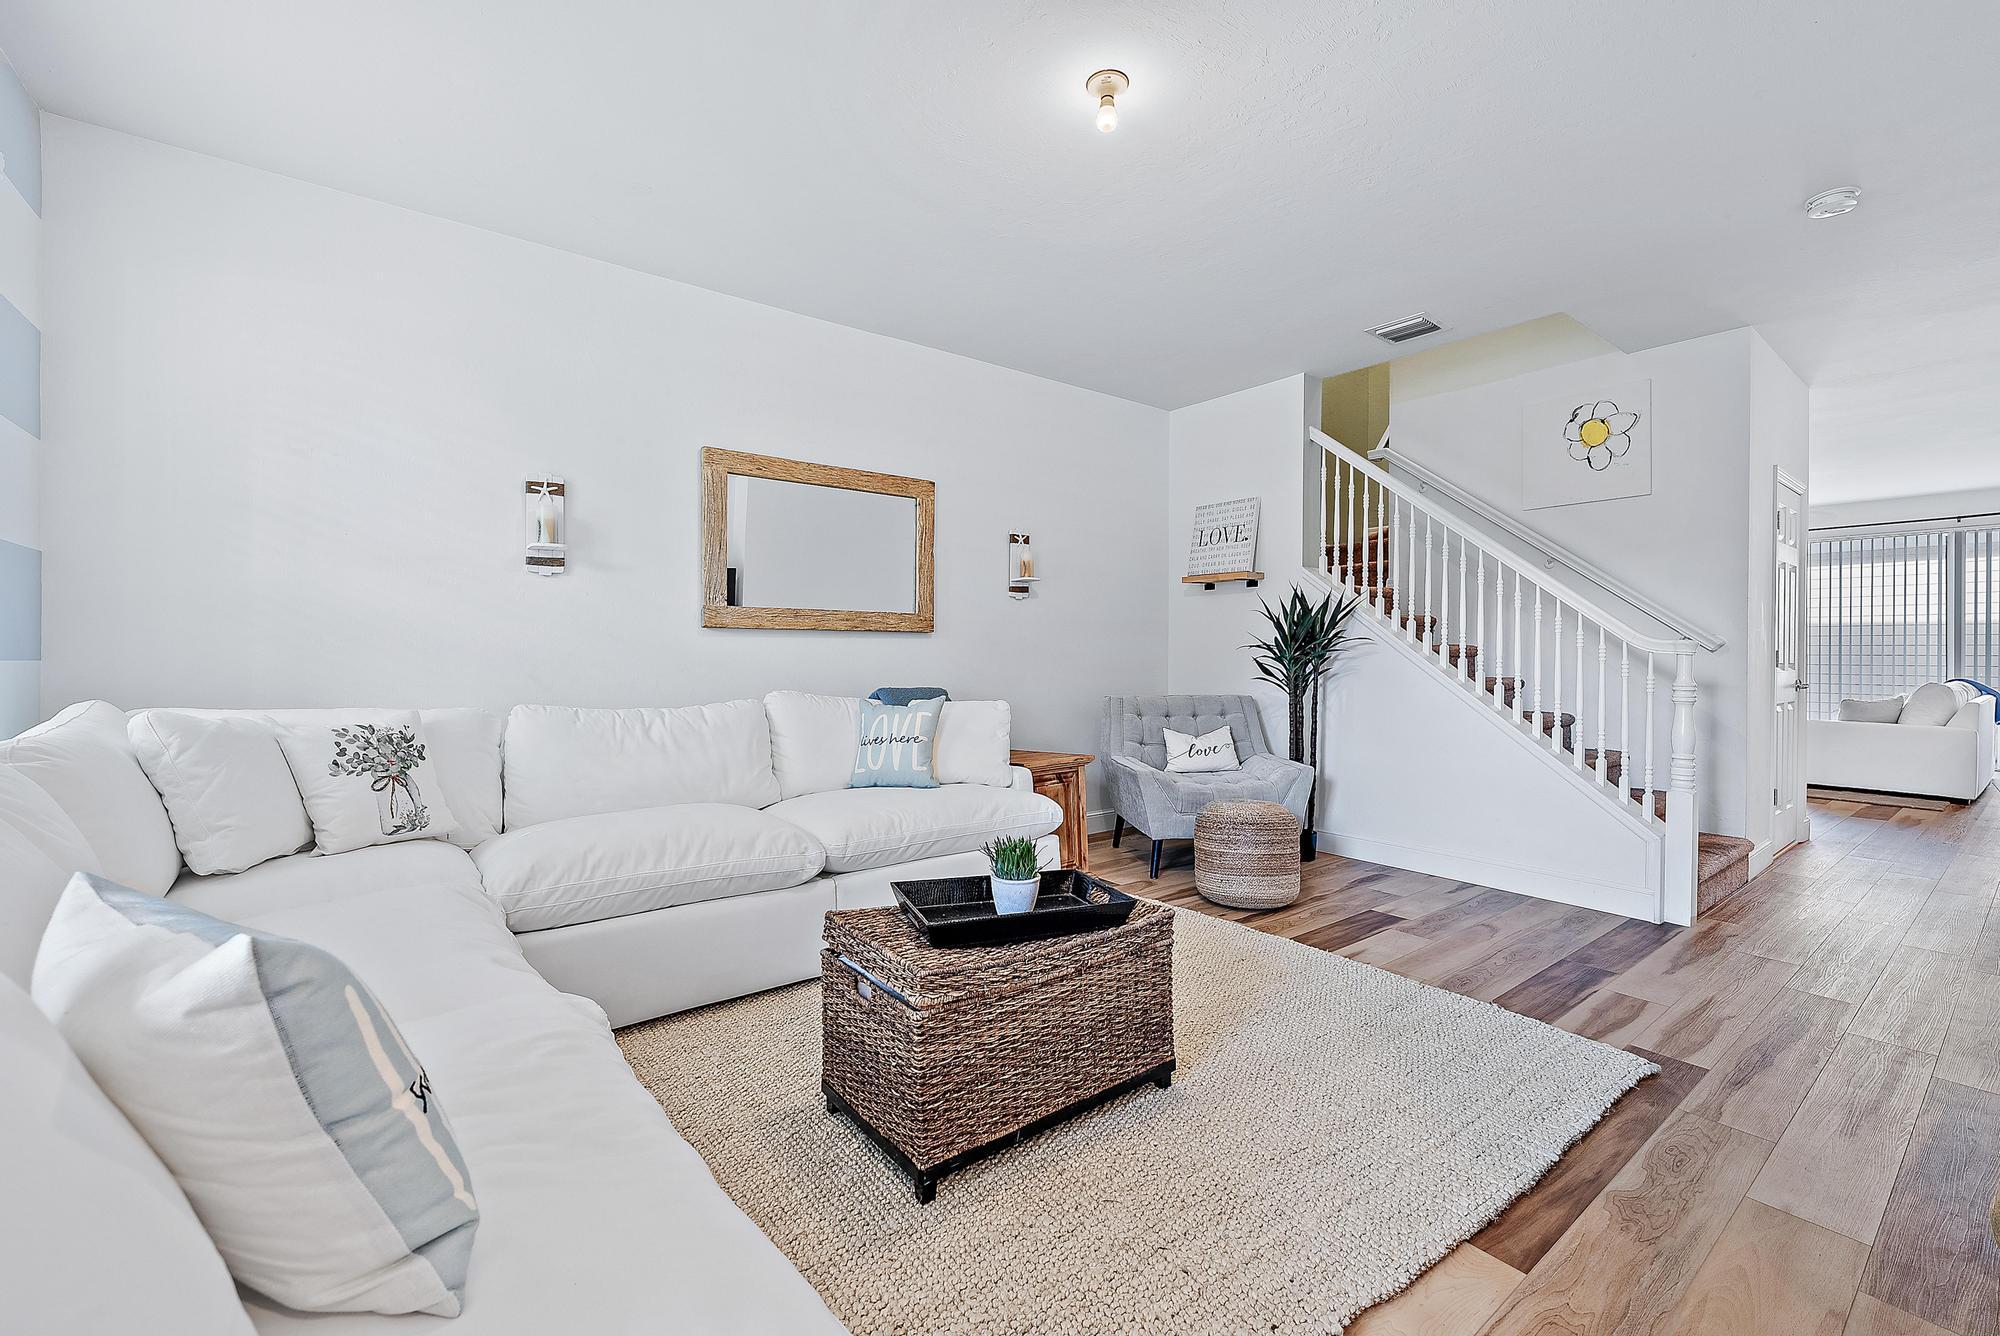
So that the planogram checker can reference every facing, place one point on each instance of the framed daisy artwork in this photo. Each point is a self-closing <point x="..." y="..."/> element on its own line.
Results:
<point x="1594" y="445"/>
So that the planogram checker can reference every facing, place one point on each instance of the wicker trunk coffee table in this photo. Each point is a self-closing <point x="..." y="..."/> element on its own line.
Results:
<point x="943" y="1056"/>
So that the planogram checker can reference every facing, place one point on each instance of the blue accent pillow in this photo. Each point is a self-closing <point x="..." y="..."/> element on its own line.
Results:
<point x="896" y="745"/>
<point x="905" y="695"/>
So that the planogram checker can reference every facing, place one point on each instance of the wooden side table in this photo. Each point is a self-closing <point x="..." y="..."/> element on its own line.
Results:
<point x="1059" y="775"/>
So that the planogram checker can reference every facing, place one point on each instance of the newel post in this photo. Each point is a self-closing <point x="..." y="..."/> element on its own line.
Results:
<point x="1682" y="851"/>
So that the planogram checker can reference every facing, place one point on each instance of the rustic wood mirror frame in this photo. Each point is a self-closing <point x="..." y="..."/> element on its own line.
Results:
<point x="717" y="466"/>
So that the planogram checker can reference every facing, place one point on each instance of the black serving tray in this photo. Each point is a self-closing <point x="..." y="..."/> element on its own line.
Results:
<point x="958" y="911"/>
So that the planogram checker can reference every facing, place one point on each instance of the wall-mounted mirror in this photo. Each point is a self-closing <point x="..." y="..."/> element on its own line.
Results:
<point x="788" y="545"/>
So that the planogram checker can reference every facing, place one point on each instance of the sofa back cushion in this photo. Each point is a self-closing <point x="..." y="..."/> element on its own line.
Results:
<point x="40" y="848"/>
<point x="1886" y="710"/>
<point x="100" y="1238"/>
<point x="1933" y="703"/>
<point x="561" y="761"/>
<point x="975" y="744"/>
<point x="83" y="759"/>
<point x="224" y="780"/>
<point x="813" y="740"/>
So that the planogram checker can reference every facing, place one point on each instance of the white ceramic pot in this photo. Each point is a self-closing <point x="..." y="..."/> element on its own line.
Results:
<point x="1014" y="897"/>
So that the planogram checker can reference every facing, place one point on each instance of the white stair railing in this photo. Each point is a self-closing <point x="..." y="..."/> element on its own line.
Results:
<point x="1529" y="646"/>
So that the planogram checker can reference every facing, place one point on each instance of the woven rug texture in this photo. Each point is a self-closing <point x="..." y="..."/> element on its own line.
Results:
<point x="1332" y="1131"/>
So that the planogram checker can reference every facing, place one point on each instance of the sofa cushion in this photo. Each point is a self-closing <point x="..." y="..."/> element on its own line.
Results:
<point x="864" y="828"/>
<point x="277" y="1090"/>
<point x="40" y="849"/>
<point x="1886" y="710"/>
<point x="226" y="786"/>
<point x="1931" y="704"/>
<point x="616" y="863"/>
<point x="813" y="740"/>
<point x="563" y="762"/>
<point x="974" y="743"/>
<point x="367" y="778"/>
<point x="84" y="760"/>
<point x="99" y="1237"/>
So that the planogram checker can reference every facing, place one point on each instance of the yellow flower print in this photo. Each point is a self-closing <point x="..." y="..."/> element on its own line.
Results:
<point x="1599" y="433"/>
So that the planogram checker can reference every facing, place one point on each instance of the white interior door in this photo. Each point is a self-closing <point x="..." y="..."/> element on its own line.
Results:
<point x="1788" y="685"/>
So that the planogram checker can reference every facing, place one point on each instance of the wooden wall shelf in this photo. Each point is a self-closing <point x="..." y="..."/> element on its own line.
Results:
<point x="1214" y="578"/>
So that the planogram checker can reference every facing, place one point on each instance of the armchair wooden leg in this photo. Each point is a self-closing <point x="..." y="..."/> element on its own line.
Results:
<point x="1154" y="873"/>
<point x="1117" y="830"/>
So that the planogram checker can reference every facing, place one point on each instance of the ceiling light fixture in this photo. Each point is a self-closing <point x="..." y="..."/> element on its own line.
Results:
<point x="1105" y="86"/>
<point x="1833" y="203"/>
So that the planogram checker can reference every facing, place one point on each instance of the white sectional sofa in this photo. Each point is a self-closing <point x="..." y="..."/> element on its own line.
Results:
<point x="609" y="867"/>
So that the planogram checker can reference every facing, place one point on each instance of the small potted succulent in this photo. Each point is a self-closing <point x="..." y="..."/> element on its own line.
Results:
<point x="1017" y="874"/>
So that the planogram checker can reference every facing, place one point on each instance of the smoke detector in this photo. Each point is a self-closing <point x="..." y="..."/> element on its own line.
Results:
<point x="1833" y="203"/>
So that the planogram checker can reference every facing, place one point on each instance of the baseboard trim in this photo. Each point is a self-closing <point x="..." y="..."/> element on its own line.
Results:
<point x="1629" y="901"/>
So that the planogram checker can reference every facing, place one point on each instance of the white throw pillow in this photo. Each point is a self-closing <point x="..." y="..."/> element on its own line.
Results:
<point x="99" y="1237"/>
<point x="1188" y="755"/>
<point x="563" y="762"/>
<point x="813" y="740"/>
<point x="1884" y="711"/>
<point x="464" y="746"/>
<point x="974" y="743"/>
<point x="616" y="863"/>
<point x="226" y="787"/>
<point x="272" y="1084"/>
<point x="1934" y="704"/>
<point x="83" y="758"/>
<point x="370" y="780"/>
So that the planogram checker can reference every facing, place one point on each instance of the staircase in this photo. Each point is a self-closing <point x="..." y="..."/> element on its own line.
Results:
<point x="1582" y="690"/>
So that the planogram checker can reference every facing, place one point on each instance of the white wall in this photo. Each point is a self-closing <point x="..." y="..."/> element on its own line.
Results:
<point x="289" y="429"/>
<point x="1532" y="345"/>
<point x="1250" y="443"/>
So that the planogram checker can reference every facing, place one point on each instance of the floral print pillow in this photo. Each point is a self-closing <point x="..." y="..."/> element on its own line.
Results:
<point x="367" y="782"/>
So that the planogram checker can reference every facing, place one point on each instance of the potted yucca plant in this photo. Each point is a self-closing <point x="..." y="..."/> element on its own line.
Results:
<point x="1304" y="638"/>
<point x="1017" y="874"/>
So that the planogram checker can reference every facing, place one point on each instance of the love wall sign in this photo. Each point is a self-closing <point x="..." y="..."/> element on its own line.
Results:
<point x="1225" y="537"/>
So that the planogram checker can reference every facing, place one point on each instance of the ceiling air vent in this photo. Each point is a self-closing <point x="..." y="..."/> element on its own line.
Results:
<point x="1409" y="327"/>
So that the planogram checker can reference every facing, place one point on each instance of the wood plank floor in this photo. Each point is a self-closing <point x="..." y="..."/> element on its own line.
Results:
<point x="1820" y="1150"/>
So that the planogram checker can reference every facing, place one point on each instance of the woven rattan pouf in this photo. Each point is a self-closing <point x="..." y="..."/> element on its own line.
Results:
<point x="1246" y="855"/>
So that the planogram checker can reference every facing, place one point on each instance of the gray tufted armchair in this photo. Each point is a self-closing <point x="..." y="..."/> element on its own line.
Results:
<point x="1163" y="806"/>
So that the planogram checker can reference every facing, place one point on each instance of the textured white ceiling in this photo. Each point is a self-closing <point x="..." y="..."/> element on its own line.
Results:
<point x="1286" y="173"/>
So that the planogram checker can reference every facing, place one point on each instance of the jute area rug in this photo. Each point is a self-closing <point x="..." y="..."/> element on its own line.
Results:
<point x="1332" y="1131"/>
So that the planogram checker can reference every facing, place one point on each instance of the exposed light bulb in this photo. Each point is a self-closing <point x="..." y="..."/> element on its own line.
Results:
<point x="1105" y="86"/>
<point x="1107" y="114"/>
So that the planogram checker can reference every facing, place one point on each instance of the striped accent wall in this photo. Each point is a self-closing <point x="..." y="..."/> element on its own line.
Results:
<point x="20" y="405"/>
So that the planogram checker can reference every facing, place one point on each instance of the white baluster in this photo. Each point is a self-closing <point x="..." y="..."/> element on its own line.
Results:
<point x="1520" y="685"/>
<point x="1603" y="758"/>
<point x="1427" y="564"/>
<point x="1537" y="711"/>
<point x="1388" y="557"/>
<point x="1556" y="645"/>
<point x="1444" y="599"/>
<point x="1477" y="677"/>
<point x="1652" y="731"/>
<point x="1576" y="756"/>
<point x="1464" y="654"/>
<point x="1409" y="577"/>
<point x="1625" y="716"/>
<point x="1347" y="553"/>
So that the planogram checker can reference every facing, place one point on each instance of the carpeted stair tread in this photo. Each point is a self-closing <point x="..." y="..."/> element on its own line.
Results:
<point x="1452" y="654"/>
<point x="1722" y="868"/>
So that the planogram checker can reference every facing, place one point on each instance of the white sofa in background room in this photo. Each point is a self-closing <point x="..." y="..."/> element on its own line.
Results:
<point x="608" y="867"/>
<point x="1940" y="745"/>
